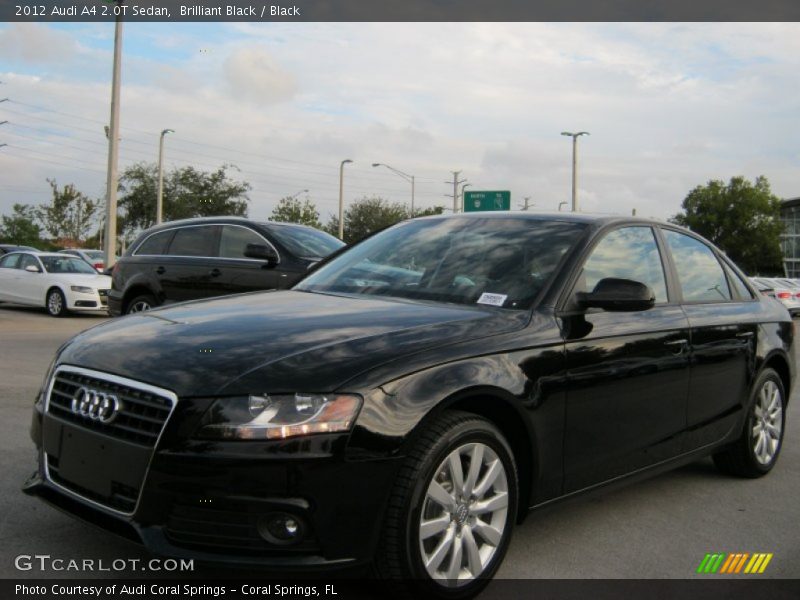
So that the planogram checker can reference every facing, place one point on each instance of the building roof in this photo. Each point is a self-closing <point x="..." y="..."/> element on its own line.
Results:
<point x="790" y="202"/>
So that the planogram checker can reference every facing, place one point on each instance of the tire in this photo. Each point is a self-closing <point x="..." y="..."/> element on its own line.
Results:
<point x="141" y="303"/>
<point x="55" y="303"/>
<point x="429" y="471"/>
<point x="756" y="451"/>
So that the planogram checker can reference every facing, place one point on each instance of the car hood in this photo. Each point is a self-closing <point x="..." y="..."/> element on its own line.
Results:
<point x="100" y="282"/>
<point x="274" y="342"/>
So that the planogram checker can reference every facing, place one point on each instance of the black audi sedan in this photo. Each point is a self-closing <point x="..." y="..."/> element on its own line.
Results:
<point x="213" y="256"/>
<point x="408" y="402"/>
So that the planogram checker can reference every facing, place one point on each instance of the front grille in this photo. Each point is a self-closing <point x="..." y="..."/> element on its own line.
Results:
<point x="102" y="463"/>
<point x="141" y="416"/>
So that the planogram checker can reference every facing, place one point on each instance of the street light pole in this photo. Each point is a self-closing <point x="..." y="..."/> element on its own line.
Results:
<point x="113" y="150"/>
<point x="574" y="137"/>
<point x="341" y="197"/>
<point x="293" y="196"/>
<point x="405" y="176"/>
<point x="159" y="197"/>
<point x="463" y="203"/>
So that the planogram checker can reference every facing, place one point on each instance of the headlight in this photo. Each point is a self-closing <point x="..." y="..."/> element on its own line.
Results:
<point x="81" y="289"/>
<point x="265" y="417"/>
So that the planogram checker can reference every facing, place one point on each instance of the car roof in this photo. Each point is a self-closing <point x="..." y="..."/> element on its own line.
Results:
<point x="40" y="254"/>
<point x="224" y="220"/>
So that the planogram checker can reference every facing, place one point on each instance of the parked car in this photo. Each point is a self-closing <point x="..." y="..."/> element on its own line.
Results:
<point x="762" y="287"/>
<point x="58" y="282"/>
<point x="782" y="290"/>
<point x="6" y="248"/>
<point x="213" y="256"/>
<point x="96" y="258"/>
<point x="411" y="399"/>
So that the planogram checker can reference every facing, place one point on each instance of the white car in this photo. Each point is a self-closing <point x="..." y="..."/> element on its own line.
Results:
<point x="59" y="282"/>
<point x="783" y="290"/>
<point x="96" y="258"/>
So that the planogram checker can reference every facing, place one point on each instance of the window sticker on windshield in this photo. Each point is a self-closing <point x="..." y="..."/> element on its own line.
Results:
<point x="493" y="299"/>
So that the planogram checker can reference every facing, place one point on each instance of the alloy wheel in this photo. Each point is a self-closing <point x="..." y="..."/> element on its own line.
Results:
<point x="54" y="303"/>
<point x="139" y="306"/>
<point x="767" y="423"/>
<point x="464" y="515"/>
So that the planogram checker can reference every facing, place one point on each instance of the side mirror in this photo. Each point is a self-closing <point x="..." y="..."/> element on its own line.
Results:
<point x="262" y="252"/>
<point x="618" y="295"/>
<point x="33" y="269"/>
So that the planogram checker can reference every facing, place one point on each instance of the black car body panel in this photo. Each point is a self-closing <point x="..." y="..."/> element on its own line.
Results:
<point x="583" y="396"/>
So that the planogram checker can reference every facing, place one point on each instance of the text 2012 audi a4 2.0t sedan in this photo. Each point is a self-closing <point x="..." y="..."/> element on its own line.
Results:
<point x="407" y="402"/>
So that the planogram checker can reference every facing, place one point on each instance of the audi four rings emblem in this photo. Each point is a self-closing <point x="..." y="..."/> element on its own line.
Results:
<point x="94" y="405"/>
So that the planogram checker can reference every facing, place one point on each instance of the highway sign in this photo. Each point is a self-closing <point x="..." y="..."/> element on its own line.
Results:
<point x="484" y="201"/>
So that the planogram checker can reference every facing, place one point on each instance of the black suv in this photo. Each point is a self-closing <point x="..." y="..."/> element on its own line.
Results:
<point x="213" y="256"/>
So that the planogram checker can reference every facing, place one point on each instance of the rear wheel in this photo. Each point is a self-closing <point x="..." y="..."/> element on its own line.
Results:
<point x="756" y="451"/>
<point x="141" y="303"/>
<point x="56" y="303"/>
<point x="452" y="509"/>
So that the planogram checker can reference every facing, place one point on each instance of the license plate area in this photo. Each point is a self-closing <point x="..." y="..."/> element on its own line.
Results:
<point x="95" y="466"/>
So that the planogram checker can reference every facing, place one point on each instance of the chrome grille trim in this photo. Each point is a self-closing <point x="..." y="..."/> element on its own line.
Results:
<point x="116" y="380"/>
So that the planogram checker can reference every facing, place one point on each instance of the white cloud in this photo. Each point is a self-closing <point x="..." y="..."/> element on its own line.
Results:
<point x="34" y="43"/>
<point x="254" y="75"/>
<point x="669" y="106"/>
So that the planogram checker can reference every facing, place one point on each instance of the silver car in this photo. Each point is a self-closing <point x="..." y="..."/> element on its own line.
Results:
<point x="783" y="290"/>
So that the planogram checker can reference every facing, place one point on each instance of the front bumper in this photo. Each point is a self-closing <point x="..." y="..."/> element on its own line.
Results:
<point x="208" y="501"/>
<point x="212" y="522"/>
<point x="114" y="303"/>
<point x="83" y="302"/>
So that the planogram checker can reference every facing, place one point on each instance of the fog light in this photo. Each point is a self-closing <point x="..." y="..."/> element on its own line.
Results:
<point x="280" y="528"/>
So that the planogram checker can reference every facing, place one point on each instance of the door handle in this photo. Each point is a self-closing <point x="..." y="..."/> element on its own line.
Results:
<point x="215" y="272"/>
<point x="160" y="270"/>
<point x="744" y="334"/>
<point x="679" y="344"/>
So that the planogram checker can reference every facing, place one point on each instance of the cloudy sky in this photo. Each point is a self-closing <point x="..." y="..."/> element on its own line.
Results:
<point x="669" y="106"/>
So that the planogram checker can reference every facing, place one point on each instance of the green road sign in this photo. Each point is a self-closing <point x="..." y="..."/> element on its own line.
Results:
<point x="483" y="201"/>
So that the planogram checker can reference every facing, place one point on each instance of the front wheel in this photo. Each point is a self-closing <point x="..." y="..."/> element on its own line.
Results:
<point x="452" y="509"/>
<point x="141" y="304"/>
<point x="756" y="451"/>
<point x="56" y="303"/>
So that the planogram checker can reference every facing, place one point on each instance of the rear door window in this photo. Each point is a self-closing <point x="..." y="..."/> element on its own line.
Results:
<point x="156" y="244"/>
<point x="10" y="261"/>
<point x="700" y="275"/>
<point x="194" y="241"/>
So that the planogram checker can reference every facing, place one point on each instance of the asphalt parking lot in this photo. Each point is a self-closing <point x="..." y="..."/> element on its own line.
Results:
<point x="659" y="528"/>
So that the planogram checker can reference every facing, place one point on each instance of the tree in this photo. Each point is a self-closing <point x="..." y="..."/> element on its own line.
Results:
<point x="742" y="218"/>
<point x="369" y="215"/>
<point x="20" y="228"/>
<point x="291" y="210"/>
<point x="70" y="213"/>
<point x="187" y="193"/>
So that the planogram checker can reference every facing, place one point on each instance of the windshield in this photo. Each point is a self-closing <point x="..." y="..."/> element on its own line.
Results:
<point x="305" y="241"/>
<point x="66" y="264"/>
<point x="95" y="254"/>
<point x="502" y="262"/>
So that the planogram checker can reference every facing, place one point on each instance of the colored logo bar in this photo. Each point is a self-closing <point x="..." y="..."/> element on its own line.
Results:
<point x="734" y="563"/>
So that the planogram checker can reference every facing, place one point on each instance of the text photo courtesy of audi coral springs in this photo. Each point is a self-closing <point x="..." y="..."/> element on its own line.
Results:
<point x="411" y="379"/>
